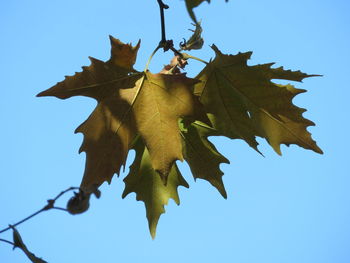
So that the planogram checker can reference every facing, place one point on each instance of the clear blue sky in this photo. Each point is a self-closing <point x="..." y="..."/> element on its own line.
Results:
<point x="294" y="208"/>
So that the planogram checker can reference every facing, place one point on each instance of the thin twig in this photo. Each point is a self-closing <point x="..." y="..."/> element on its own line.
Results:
<point x="50" y="205"/>
<point x="65" y="191"/>
<point x="25" y="219"/>
<point x="6" y="241"/>
<point x="162" y="6"/>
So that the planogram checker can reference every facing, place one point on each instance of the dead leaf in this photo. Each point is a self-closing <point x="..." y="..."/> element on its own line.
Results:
<point x="195" y="41"/>
<point x="174" y="66"/>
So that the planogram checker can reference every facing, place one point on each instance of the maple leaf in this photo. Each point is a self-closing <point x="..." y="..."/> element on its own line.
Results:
<point x="129" y="104"/>
<point x="161" y="101"/>
<point x="107" y="137"/>
<point x="144" y="180"/>
<point x="201" y="155"/>
<point x="242" y="102"/>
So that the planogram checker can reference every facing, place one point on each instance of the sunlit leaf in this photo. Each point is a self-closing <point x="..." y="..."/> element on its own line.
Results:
<point x="242" y="102"/>
<point x="129" y="104"/>
<point x="110" y="129"/>
<point x="148" y="186"/>
<point x="201" y="155"/>
<point x="167" y="117"/>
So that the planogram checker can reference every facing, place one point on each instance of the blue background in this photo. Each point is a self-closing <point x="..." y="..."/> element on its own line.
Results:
<point x="288" y="209"/>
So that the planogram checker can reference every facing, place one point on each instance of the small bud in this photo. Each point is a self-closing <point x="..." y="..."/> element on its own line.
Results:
<point x="79" y="203"/>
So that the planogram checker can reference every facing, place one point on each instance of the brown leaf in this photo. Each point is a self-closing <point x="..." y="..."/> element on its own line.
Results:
<point x="108" y="134"/>
<point x="174" y="66"/>
<point x="129" y="104"/>
<point x="100" y="79"/>
<point x="123" y="55"/>
<point x="110" y="129"/>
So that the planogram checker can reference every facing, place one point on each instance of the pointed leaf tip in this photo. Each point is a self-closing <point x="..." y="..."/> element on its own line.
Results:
<point x="148" y="186"/>
<point x="215" y="48"/>
<point x="40" y="94"/>
<point x="123" y="55"/>
<point x="239" y="56"/>
<point x="100" y="79"/>
<point x="202" y="156"/>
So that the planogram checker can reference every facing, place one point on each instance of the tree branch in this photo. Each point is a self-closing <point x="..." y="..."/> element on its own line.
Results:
<point x="162" y="6"/>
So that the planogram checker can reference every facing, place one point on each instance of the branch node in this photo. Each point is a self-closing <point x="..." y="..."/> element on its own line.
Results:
<point x="50" y="204"/>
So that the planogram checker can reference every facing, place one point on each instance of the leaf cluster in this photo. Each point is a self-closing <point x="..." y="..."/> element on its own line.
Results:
<point x="168" y="116"/>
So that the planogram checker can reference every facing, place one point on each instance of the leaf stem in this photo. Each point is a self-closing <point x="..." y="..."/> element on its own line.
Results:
<point x="65" y="191"/>
<point x="60" y="208"/>
<point x="176" y="52"/>
<point x="187" y="56"/>
<point x="150" y="58"/>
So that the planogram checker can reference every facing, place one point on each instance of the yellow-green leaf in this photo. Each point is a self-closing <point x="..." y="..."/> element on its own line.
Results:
<point x="161" y="100"/>
<point x="148" y="186"/>
<point x="242" y="102"/>
<point x="202" y="156"/>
